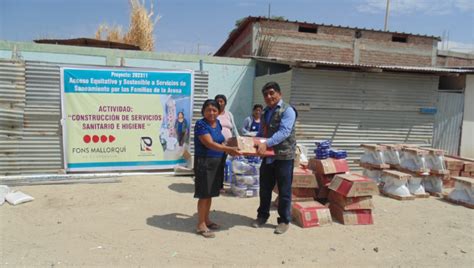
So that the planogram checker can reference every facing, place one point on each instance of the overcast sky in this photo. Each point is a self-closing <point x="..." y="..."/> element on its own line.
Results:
<point x="187" y="24"/>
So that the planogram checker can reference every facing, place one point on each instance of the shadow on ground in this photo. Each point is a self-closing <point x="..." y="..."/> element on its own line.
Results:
<point x="187" y="224"/>
<point x="182" y="188"/>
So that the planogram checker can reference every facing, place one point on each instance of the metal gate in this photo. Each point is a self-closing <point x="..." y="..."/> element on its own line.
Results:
<point x="448" y="121"/>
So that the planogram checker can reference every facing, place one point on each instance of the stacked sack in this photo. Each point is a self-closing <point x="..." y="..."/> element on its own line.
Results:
<point x="245" y="176"/>
<point x="350" y="199"/>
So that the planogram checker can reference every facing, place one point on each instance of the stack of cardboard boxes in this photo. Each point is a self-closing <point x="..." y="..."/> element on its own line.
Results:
<point x="350" y="199"/>
<point x="325" y="170"/>
<point x="306" y="212"/>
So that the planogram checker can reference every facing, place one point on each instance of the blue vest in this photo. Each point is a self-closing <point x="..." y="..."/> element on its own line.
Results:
<point x="286" y="149"/>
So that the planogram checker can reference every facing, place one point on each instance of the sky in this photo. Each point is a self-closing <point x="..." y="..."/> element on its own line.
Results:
<point x="202" y="26"/>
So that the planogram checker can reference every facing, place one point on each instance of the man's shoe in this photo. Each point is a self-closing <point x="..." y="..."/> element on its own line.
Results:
<point x="259" y="222"/>
<point x="281" y="228"/>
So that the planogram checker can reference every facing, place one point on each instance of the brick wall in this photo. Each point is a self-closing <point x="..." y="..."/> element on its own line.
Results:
<point x="244" y="40"/>
<point x="382" y="58"/>
<point x="337" y="44"/>
<point x="448" y="61"/>
<point x="295" y="51"/>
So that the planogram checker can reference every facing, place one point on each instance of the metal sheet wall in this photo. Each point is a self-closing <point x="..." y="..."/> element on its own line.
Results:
<point x="448" y="121"/>
<point x="351" y="108"/>
<point x="201" y="89"/>
<point x="30" y="113"/>
<point x="283" y="79"/>
<point x="12" y="112"/>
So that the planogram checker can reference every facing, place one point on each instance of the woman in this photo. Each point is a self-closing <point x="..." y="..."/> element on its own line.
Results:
<point x="181" y="128"/>
<point x="209" y="162"/>
<point x="225" y="117"/>
<point x="252" y="123"/>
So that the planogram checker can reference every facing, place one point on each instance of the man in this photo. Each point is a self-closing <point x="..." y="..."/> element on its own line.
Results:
<point x="278" y="126"/>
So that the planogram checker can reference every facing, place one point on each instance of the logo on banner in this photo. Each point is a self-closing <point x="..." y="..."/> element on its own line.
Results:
<point x="145" y="144"/>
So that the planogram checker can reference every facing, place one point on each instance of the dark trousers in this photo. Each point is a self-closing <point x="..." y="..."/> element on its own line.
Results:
<point x="279" y="172"/>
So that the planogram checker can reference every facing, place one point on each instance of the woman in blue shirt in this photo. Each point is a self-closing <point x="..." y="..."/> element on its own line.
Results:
<point x="252" y="123"/>
<point x="208" y="164"/>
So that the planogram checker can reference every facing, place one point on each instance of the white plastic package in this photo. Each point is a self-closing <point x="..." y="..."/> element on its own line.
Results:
<point x="16" y="198"/>
<point x="462" y="192"/>
<point x="375" y="157"/>
<point x="4" y="190"/>
<point x="415" y="186"/>
<point x="395" y="186"/>
<point x="373" y="174"/>
<point x="433" y="184"/>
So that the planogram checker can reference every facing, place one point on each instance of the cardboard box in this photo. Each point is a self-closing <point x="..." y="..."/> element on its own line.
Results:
<point x="300" y="192"/>
<point x="328" y="166"/>
<point x="465" y="174"/>
<point x="453" y="164"/>
<point x="351" y="217"/>
<point x="310" y="214"/>
<point x="469" y="166"/>
<point x="294" y="199"/>
<point x="352" y="185"/>
<point x="455" y="173"/>
<point x="248" y="145"/>
<point x="351" y="203"/>
<point x="304" y="178"/>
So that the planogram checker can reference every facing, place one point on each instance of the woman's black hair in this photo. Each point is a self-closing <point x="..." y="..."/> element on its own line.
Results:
<point x="181" y="113"/>
<point x="256" y="106"/>
<point x="220" y="96"/>
<point x="210" y="102"/>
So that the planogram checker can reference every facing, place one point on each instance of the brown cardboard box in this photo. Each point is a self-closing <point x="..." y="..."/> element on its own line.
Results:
<point x="453" y="164"/>
<point x="351" y="203"/>
<point x="247" y="145"/>
<point x="294" y="199"/>
<point x="352" y="185"/>
<point x="300" y="192"/>
<point x="352" y="217"/>
<point x="465" y="174"/>
<point x="310" y="214"/>
<point x="328" y="166"/>
<point x="304" y="178"/>
<point x="469" y="166"/>
<point x="455" y="173"/>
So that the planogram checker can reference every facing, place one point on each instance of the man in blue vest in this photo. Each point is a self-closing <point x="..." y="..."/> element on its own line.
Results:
<point x="278" y="126"/>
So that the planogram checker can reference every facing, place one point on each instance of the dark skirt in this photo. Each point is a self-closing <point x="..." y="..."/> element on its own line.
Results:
<point x="209" y="176"/>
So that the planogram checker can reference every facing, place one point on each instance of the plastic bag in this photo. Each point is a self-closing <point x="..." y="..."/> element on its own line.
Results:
<point x="462" y="193"/>
<point x="16" y="198"/>
<point x="395" y="186"/>
<point x="376" y="175"/>
<point x="374" y="157"/>
<point x="433" y="184"/>
<point x="415" y="186"/>
<point x="4" y="190"/>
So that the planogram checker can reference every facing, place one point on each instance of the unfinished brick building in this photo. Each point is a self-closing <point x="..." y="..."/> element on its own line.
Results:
<point x="258" y="36"/>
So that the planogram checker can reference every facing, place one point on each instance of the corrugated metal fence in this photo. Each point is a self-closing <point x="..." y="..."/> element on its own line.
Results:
<point x="351" y="108"/>
<point x="448" y="121"/>
<point x="30" y="114"/>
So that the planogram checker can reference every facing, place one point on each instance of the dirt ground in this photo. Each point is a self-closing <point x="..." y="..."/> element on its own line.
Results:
<point x="150" y="221"/>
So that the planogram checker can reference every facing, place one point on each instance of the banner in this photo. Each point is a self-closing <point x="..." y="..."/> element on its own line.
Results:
<point x="125" y="119"/>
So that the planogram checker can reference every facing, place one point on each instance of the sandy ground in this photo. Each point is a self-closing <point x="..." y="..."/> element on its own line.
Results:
<point x="150" y="221"/>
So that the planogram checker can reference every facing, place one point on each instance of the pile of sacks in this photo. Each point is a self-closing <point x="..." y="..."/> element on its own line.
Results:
<point x="13" y="197"/>
<point x="245" y="176"/>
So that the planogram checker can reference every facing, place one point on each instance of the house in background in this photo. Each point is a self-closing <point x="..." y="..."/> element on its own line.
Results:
<point x="259" y="36"/>
<point x="356" y="86"/>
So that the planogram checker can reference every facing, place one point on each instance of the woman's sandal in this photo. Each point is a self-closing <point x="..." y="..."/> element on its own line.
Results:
<point x="213" y="226"/>
<point x="206" y="233"/>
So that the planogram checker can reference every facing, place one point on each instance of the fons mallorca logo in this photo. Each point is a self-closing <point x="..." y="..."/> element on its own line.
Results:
<point x="145" y="144"/>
